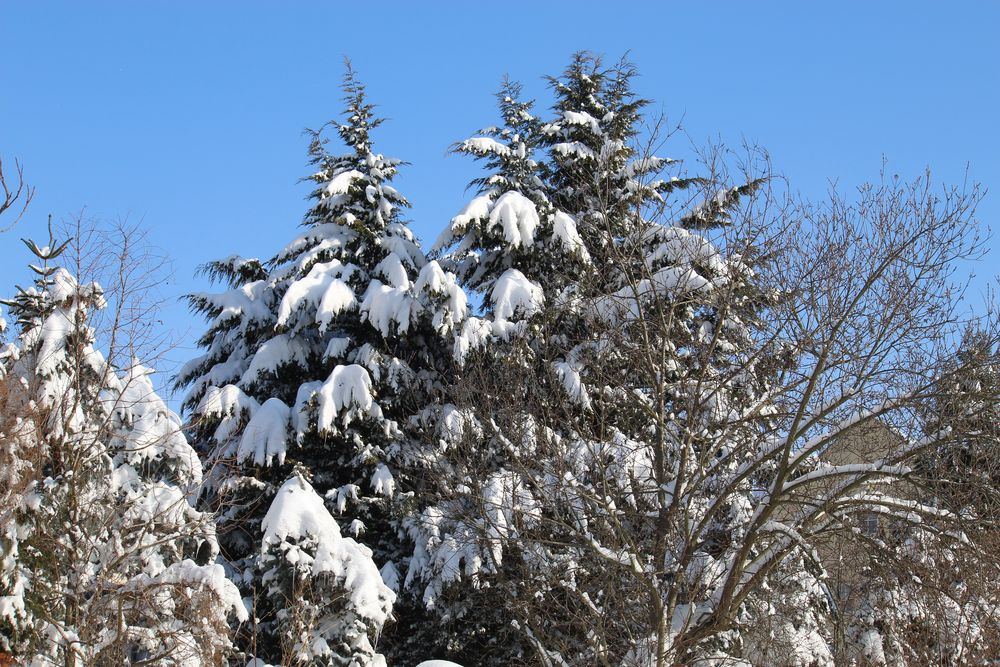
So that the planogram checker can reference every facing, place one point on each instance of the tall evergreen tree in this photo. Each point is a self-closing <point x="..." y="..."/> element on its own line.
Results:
<point x="518" y="252"/>
<point x="315" y="361"/>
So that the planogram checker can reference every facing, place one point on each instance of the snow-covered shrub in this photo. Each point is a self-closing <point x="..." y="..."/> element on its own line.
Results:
<point x="105" y="559"/>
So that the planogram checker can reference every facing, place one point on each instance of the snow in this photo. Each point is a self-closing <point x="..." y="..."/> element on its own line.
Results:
<point x="227" y="403"/>
<point x="384" y="306"/>
<point x="65" y="288"/>
<point x="266" y="435"/>
<point x="337" y="298"/>
<point x="452" y="426"/>
<point x="645" y="165"/>
<point x="477" y="209"/>
<point x="399" y="240"/>
<point x="296" y="513"/>
<point x="513" y="294"/>
<point x="221" y="373"/>
<point x="221" y="401"/>
<point x="299" y="414"/>
<point x="341" y="183"/>
<point x="677" y="245"/>
<point x="320" y="283"/>
<point x="475" y="332"/>
<point x="336" y="348"/>
<point x="390" y="576"/>
<point x="188" y="573"/>
<point x="572" y="382"/>
<point x="348" y="390"/>
<point x="517" y="216"/>
<point x="391" y="268"/>
<point x="574" y="149"/>
<point x="449" y="302"/>
<point x="582" y="118"/>
<point x="249" y="302"/>
<point x="12" y="605"/>
<point x="484" y="146"/>
<point x="564" y="230"/>
<point x="671" y="283"/>
<point x="382" y="481"/>
<point x="433" y="279"/>
<point x="53" y="333"/>
<point x="279" y="351"/>
<point x="326" y="237"/>
<point x="438" y="663"/>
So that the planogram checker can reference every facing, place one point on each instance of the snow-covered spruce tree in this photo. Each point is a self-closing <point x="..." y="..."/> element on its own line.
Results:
<point x="315" y="362"/>
<point x="104" y="559"/>
<point x="511" y="231"/>
<point x="519" y="253"/>
<point x="526" y="390"/>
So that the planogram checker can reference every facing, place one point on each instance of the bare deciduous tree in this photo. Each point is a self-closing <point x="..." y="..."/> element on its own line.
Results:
<point x="751" y="382"/>
<point x="12" y="195"/>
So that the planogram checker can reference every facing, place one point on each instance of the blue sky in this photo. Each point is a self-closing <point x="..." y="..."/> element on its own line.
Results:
<point x="187" y="116"/>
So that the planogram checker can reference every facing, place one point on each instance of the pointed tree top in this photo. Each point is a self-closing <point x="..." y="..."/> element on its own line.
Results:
<point x="360" y="114"/>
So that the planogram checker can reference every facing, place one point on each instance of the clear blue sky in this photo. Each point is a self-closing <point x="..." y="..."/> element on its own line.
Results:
<point x="188" y="115"/>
